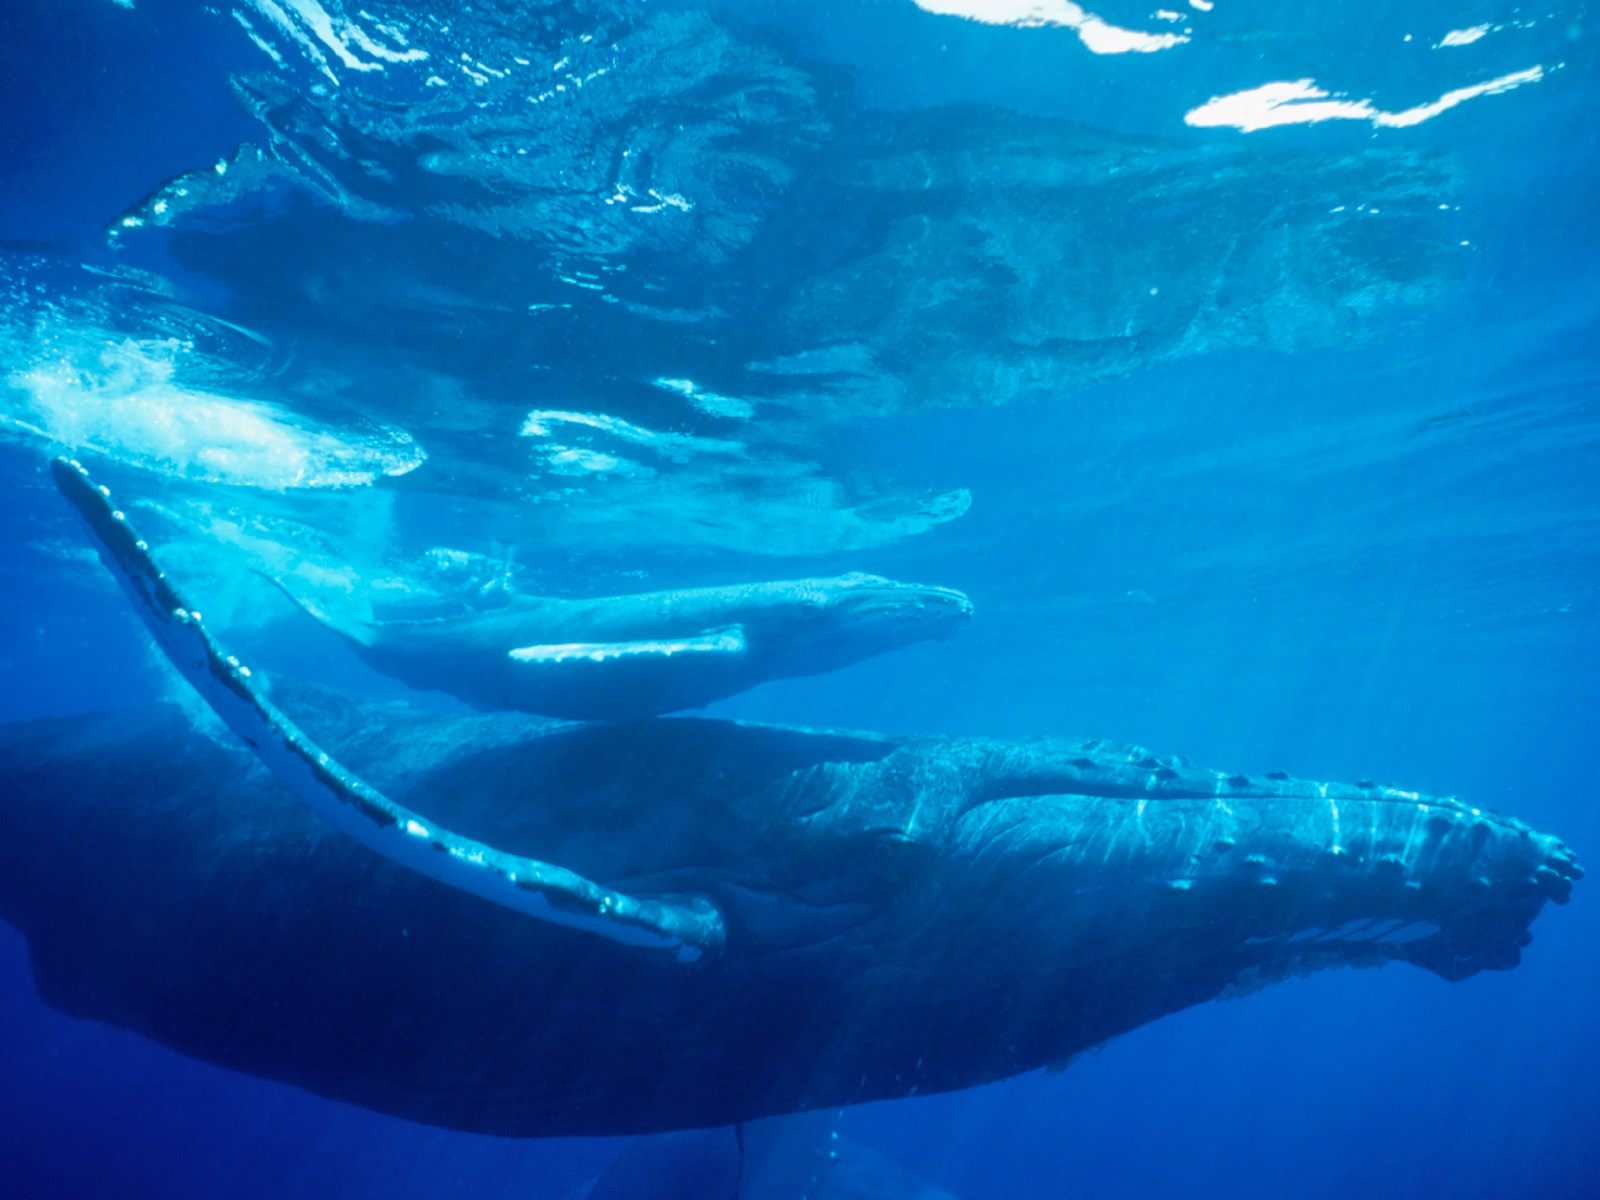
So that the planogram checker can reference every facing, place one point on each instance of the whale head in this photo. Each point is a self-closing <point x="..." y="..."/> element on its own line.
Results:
<point x="1109" y="859"/>
<point x="817" y="625"/>
<point x="1056" y="894"/>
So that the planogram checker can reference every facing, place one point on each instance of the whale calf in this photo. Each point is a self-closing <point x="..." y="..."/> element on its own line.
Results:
<point x="616" y="658"/>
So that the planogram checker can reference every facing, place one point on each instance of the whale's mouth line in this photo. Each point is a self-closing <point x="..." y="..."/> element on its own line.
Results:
<point x="903" y="596"/>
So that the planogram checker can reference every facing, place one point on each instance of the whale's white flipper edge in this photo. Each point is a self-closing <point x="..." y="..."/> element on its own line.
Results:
<point x="690" y="927"/>
<point x="727" y="640"/>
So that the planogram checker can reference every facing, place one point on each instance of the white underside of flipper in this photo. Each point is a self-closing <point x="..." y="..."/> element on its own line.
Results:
<point x="690" y="928"/>
<point x="728" y="640"/>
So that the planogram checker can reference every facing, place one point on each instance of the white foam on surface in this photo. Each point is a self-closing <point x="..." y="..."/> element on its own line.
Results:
<point x="261" y="43"/>
<point x="1425" y="112"/>
<point x="128" y="404"/>
<point x="313" y="30"/>
<point x="1463" y="37"/>
<point x="1302" y="102"/>
<point x="546" y="422"/>
<point x="713" y="404"/>
<point x="1098" y="35"/>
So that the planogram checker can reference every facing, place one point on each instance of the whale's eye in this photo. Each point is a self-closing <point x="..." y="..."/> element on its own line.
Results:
<point x="894" y="852"/>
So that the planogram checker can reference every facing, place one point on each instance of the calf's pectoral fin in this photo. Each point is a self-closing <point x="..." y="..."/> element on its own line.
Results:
<point x="689" y="927"/>
<point x="352" y="629"/>
<point x="724" y="640"/>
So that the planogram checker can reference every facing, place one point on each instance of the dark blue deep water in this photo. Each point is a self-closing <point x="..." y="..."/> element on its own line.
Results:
<point x="1240" y="360"/>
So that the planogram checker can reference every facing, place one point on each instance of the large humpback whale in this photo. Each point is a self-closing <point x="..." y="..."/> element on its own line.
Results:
<point x="901" y="915"/>
<point x="616" y="658"/>
<point x="851" y="917"/>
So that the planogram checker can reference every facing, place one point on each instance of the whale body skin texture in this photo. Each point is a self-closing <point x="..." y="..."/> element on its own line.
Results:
<point x="902" y="915"/>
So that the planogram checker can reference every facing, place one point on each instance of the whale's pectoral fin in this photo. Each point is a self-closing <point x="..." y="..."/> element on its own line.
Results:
<point x="690" y="927"/>
<point x="725" y="640"/>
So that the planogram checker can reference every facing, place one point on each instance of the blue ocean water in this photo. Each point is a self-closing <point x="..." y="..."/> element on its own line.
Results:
<point x="1239" y="360"/>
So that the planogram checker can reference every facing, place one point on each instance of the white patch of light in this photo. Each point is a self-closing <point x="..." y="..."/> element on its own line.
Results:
<point x="663" y="201"/>
<point x="1202" y="5"/>
<point x="623" y="193"/>
<point x="416" y="829"/>
<point x="721" y="641"/>
<point x="261" y="43"/>
<point x="545" y="422"/>
<point x="448" y="558"/>
<point x="307" y="23"/>
<point x="1098" y="35"/>
<point x="1463" y="37"/>
<point x="1424" y="112"/>
<point x="341" y="34"/>
<point x="713" y="404"/>
<point x="286" y="25"/>
<point x="1302" y="102"/>
<point x="577" y="460"/>
<point x="354" y="33"/>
